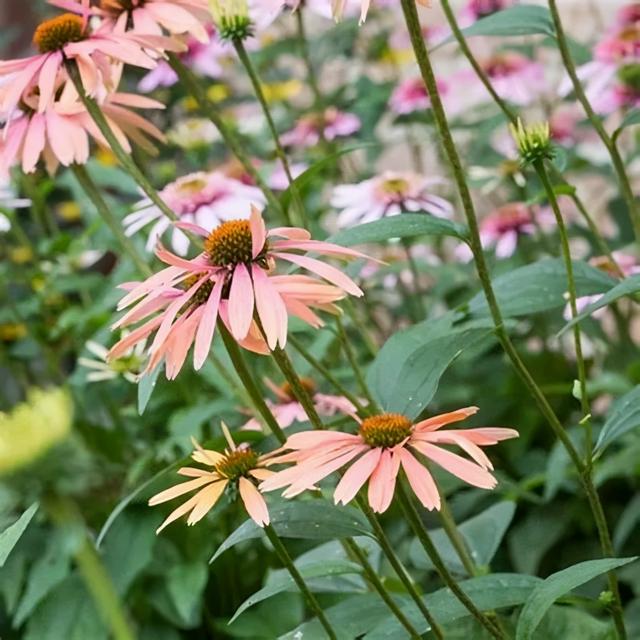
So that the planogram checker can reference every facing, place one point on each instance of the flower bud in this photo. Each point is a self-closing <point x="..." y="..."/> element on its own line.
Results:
<point x="533" y="141"/>
<point x="231" y="18"/>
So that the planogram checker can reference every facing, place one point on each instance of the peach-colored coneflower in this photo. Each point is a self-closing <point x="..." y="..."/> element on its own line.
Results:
<point x="239" y="466"/>
<point x="69" y="37"/>
<point x="383" y="444"/>
<point x="60" y="134"/>
<point x="233" y="278"/>
<point x="147" y="17"/>
<point x="287" y="409"/>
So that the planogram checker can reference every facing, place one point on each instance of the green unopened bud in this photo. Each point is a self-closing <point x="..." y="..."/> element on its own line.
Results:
<point x="231" y="18"/>
<point x="606" y="598"/>
<point x="534" y="142"/>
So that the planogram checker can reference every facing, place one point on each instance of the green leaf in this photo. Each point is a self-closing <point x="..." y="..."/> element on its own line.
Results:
<point x="185" y="585"/>
<point x="541" y="286"/>
<point x="627" y="287"/>
<point x="623" y="416"/>
<point x="146" y="385"/>
<point x="519" y="20"/>
<point x="405" y="374"/>
<point x="632" y="118"/>
<point x="405" y="225"/>
<point x="482" y="533"/>
<point x="10" y="536"/>
<point x="309" y="520"/>
<point x="558" y="584"/>
<point x="285" y="582"/>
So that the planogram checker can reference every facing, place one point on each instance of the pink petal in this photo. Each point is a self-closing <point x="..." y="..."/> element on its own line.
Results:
<point x="356" y="475"/>
<point x="469" y="447"/>
<point x="204" y="336"/>
<point x="292" y="233"/>
<point x="258" y="231"/>
<point x="271" y="308"/>
<point x="313" y="439"/>
<point x="254" y="502"/>
<point x="382" y="483"/>
<point x="193" y="228"/>
<point x="240" y="302"/>
<point x="420" y="480"/>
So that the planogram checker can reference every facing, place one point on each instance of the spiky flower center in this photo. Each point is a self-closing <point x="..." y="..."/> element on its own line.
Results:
<point x="307" y="383"/>
<point x="385" y="430"/>
<point x="230" y="244"/>
<point x="53" y="35"/>
<point x="237" y="463"/>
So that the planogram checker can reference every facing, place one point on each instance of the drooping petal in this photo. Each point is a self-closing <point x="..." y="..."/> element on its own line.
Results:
<point x="435" y="422"/>
<point x="356" y="475"/>
<point x="258" y="232"/>
<point x="207" y="499"/>
<point x="270" y="307"/>
<point x="204" y="335"/>
<point x="254" y="502"/>
<point x="382" y="483"/>
<point x="180" y="489"/>
<point x="420" y="480"/>
<point x="241" y="301"/>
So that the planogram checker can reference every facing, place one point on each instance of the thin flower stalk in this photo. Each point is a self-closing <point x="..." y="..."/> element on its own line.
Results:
<point x="607" y="141"/>
<point x="424" y="63"/>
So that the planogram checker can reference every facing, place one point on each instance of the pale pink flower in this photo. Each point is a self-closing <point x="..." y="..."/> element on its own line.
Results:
<point x="332" y="122"/>
<point x="232" y="278"/>
<point x="68" y="38"/>
<point x="147" y="17"/>
<point x="288" y="409"/>
<point x="627" y="264"/>
<point x="383" y="444"/>
<point x="238" y="466"/>
<point x="202" y="198"/>
<point x="205" y="59"/>
<point x="504" y="226"/>
<point x="277" y="178"/>
<point x="388" y="194"/>
<point x="411" y="95"/>
<point x="60" y="134"/>
<point x="477" y="9"/>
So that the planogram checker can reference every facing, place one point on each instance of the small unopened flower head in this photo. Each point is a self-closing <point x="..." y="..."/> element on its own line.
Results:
<point x="533" y="141"/>
<point x="232" y="19"/>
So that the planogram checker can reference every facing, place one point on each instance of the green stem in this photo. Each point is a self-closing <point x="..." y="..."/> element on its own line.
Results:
<point x="419" y="529"/>
<point x="193" y="87"/>
<point x="373" y="578"/>
<point x="396" y="564"/>
<point x="306" y="57"/>
<point x="123" y="157"/>
<point x="46" y="221"/>
<point x="280" y="153"/>
<point x="453" y="533"/>
<point x="607" y="141"/>
<point x="286" y="560"/>
<point x="299" y="391"/>
<point x="571" y="284"/>
<point x="249" y="383"/>
<point x="346" y="347"/>
<point x="92" y="192"/>
<point x="426" y="70"/>
<point x="328" y="376"/>
<point x="93" y="571"/>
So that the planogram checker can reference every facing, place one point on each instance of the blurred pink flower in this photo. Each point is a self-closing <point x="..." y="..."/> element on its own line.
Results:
<point x="288" y="410"/>
<point x="332" y="122"/>
<point x="411" y="95"/>
<point x="238" y="466"/>
<point x="385" y="443"/>
<point x="203" y="198"/>
<point x="388" y="194"/>
<point x="477" y="9"/>
<point x="60" y="134"/>
<point x="67" y="37"/>
<point x="232" y="278"/>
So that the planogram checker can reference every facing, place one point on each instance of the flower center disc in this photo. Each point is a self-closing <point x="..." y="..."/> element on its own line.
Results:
<point x="53" y="35"/>
<point x="230" y="244"/>
<point x="385" y="430"/>
<point x="203" y="292"/>
<point x="237" y="463"/>
<point x="395" y="187"/>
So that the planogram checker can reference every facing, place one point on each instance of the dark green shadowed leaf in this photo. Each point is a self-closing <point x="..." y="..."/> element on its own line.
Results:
<point x="309" y="520"/>
<point x="627" y="287"/>
<point x="559" y="584"/>
<point x="623" y="416"/>
<point x="541" y="286"/>
<point x="405" y="225"/>
<point x="10" y="536"/>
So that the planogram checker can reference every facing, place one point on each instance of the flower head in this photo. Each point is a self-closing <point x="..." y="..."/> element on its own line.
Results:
<point x="232" y="19"/>
<point x="331" y="124"/>
<point x="287" y="409"/>
<point x="388" y="194"/>
<point x="234" y="279"/>
<point x="238" y="466"/>
<point x="128" y="365"/>
<point x="533" y="141"/>
<point x="383" y="444"/>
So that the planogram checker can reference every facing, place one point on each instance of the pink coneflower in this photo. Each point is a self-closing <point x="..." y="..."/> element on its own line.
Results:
<point x="232" y="278"/>
<point x="388" y="194"/>
<point x="202" y="198"/>
<point x="411" y="95"/>
<point x="238" y="466"/>
<point x="382" y="445"/>
<point x="60" y="134"/>
<point x="288" y="410"/>
<point x="68" y="37"/>
<point x="477" y="9"/>
<point x="147" y="17"/>
<point x="333" y="123"/>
